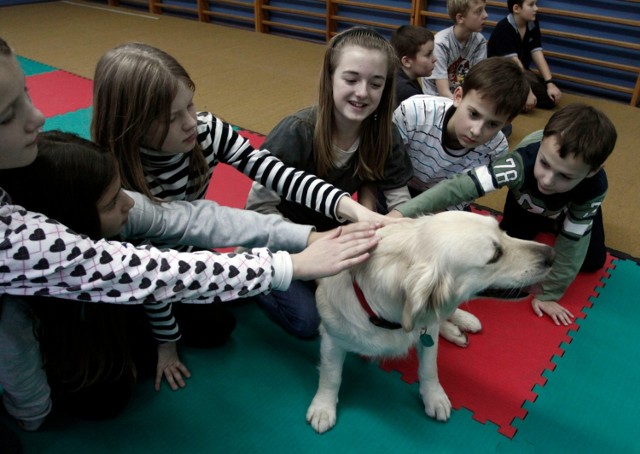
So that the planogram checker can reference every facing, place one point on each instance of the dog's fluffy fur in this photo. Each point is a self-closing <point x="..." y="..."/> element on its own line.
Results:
<point x="417" y="276"/>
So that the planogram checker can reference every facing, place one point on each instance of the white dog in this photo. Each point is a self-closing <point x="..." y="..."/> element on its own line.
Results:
<point x="417" y="276"/>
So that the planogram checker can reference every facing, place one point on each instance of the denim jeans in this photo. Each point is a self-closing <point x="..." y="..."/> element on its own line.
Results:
<point x="294" y="309"/>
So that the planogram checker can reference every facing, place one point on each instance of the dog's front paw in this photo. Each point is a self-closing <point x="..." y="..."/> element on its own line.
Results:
<point x="466" y="321"/>
<point x="436" y="403"/>
<point x="321" y="415"/>
<point x="453" y="334"/>
<point x="460" y="323"/>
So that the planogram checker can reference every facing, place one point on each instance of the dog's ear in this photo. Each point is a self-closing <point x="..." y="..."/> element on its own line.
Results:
<point x="426" y="289"/>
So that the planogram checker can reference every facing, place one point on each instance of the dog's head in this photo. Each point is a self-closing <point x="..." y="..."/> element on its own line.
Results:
<point x="441" y="260"/>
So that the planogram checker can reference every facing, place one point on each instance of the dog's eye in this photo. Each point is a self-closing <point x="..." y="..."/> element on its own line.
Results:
<point x="496" y="255"/>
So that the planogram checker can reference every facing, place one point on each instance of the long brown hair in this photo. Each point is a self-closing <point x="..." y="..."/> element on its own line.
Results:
<point x="376" y="130"/>
<point x="133" y="87"/>
<point x="66" y="181"/>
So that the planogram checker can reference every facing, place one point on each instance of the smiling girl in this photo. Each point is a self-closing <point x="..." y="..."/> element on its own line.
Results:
<point x="349" y="140"/>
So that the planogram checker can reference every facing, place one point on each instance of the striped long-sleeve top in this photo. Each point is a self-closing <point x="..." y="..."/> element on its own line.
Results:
<point x="167" y="176"/>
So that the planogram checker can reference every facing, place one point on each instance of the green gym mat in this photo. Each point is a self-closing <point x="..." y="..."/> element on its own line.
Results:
<point x="252" y="394"/>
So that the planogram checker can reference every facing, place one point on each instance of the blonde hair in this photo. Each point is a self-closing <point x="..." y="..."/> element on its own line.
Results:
<point x="134" y="86"/>
<point x="455" y="7"/>
<point x="376" y="130"/>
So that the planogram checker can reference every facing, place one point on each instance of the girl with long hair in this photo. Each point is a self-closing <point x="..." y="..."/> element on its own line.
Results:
<point x="348" y="139"/>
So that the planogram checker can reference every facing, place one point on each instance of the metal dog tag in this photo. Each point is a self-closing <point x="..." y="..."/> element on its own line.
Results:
<point x="426" y="339"/>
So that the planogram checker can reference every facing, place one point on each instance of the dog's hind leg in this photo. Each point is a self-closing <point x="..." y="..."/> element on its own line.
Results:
<point x="322" y="411"/>
<point x="456" y="327"/>
<point x="436" y="402"/>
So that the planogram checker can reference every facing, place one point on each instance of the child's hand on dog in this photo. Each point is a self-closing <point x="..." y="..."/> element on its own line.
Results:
<point x="342" y="248"/>
<point x="347" y="228"/>
<point x="395" y="214"/>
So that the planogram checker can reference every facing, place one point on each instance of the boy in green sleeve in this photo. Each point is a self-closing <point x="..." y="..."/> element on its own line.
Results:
<point x="555" y="184"/>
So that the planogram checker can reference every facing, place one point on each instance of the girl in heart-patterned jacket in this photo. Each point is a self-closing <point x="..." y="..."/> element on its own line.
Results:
<point x="39" y="256"/>
<point x="84" y="357"/>
<point x="86" y="338"/>
<point x="92" y="353"/>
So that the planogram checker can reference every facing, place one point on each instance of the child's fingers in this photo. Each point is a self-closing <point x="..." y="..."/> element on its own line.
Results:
<point x="356" y="260"/>
<point x="169" y="376"/>
<point x="357" y="247"/>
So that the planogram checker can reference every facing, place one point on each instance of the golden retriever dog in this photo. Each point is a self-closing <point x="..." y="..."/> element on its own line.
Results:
<point x="417" y="276"/>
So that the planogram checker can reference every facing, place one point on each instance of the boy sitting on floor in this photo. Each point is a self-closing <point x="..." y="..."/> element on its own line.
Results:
<point x="556" y="183"/>
<point x="414" y="47"/>
<point x="518" y="36"/>
<point x="458" y="48"/>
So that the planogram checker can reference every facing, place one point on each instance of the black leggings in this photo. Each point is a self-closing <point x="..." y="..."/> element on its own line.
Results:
<point x="519" y="223"/>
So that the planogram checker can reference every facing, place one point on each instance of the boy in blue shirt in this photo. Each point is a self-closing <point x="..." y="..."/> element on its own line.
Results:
<point x="414" y="47"/>
<point x="518" y="36"/>
<point x="556" y="183"/>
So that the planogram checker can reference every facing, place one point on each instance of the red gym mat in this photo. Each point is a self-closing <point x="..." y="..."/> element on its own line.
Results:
<point x="496" y="373"/>
<point x="59" y="92"/>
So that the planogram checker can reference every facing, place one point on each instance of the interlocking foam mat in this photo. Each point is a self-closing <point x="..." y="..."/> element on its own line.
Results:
<point x="522" y="385"/>
<point x="514" y="342"/>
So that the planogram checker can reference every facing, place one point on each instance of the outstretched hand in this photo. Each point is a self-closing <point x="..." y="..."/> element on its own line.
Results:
<point x="353" y="211"/>
<point x="335" y="252"/>
<point x="395" y="214"/>
<point x="558" y="314"/>
<point x="170" y="366"/>
<point x="347" y="228"/>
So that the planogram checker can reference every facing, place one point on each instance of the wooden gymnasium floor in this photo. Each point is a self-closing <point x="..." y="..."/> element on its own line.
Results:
<point x="253" y="80"/>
